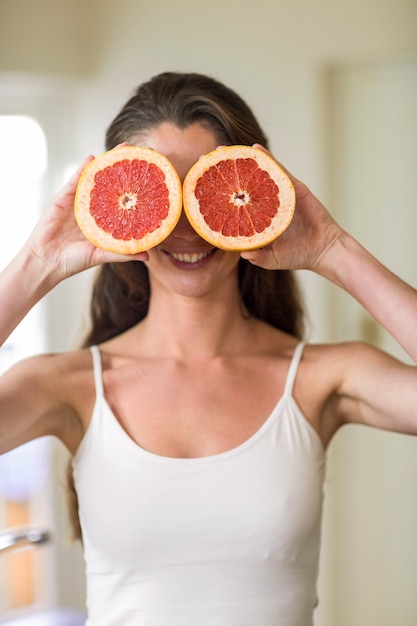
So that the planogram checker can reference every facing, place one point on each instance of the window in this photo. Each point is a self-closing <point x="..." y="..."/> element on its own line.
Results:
<point x="23" y="164"/>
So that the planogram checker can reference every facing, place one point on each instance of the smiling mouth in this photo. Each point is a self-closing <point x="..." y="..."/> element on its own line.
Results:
<point x="186" y="257"/>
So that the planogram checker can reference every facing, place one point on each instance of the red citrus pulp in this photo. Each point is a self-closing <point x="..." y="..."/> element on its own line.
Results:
<point x="238" y="198"/>
<point x="128" y="199"/>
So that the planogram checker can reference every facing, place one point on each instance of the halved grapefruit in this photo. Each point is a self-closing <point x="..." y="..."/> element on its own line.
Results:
<point x="238" y="198"/>
<point x="128" y="199"/>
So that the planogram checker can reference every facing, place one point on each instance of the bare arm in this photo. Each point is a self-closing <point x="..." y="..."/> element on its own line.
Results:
<point x="29" y="402"/>
<point x="32" y="395"/>
<point x="367" y="385"/>
<point x="391" y="301"/>
<point x="375" y="389"/>
<point x="55" y="250"/>
<point x="37" y="398"/>
<point x="314" y="241"/>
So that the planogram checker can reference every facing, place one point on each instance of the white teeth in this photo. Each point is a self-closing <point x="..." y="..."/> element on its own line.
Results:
<point x="190" y="258"/>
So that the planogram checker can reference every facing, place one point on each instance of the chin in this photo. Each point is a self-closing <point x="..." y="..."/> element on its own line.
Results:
<point x="194" y="289"/>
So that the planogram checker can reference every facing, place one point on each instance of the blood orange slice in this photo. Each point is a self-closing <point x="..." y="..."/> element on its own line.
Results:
<point x="128" y="199"/>
<point x="238" y="198"/>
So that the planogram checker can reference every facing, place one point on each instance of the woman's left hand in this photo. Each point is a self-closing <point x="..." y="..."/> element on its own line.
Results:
<point x="305" y="242"/>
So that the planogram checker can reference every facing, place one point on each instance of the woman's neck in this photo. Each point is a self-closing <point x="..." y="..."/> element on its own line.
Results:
<point x="187" y="327"/>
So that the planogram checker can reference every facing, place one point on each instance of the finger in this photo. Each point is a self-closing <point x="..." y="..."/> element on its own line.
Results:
<point x="140" y="256"/>
<point x="124" y="258"/>
<point x="254" y="256"/>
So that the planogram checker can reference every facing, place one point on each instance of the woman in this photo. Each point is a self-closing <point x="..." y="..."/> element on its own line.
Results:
<point x="198" y="422"/>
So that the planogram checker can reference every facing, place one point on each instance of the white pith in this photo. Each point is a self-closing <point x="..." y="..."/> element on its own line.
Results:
<point x="189" y="258"/>
<point x="95" y="233"/>
<point x="128" y="201"/>
<point x="240" y="198"/>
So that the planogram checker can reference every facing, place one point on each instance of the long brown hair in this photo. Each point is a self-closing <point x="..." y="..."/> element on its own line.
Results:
<point x="121" y="291"/>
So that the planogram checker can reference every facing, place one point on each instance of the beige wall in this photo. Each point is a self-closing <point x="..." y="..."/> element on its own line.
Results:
<point x="44" y="36"/>
<point x="369" y="562"/>
<point x="279" y="55"/>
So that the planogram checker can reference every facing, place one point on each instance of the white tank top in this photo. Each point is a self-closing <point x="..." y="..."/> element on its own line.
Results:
<point x="225" y="540"/>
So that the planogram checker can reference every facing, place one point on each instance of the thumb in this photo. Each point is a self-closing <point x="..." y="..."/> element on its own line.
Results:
<point x="260" y="256"/>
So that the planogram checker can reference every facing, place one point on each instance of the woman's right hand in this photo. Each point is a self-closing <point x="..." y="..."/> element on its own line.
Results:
<point x="58" y="242"/>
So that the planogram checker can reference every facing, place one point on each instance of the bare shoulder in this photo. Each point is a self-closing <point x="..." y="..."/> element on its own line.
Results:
<point x="69" y="378"/>
<point x="346" y="361"/>
<point x="317" y="381"/>
<point x="52" y="370"/>
<point x="48" y="394"/>
<point x="335" y="361"/>
<point x="354" y="382"/>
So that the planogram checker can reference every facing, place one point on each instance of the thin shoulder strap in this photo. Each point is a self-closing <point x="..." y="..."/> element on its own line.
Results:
<point x="98" y="374"/>
<point x="292" y="371"/>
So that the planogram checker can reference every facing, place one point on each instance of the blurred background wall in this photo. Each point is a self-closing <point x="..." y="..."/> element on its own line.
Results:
<point x="335" y="85"/>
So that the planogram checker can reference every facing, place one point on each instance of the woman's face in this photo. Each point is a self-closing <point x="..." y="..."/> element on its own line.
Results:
<point x="184" y="262"/>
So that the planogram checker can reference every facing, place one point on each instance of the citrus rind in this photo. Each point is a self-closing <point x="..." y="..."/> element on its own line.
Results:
<point x="278" y="224"/>
<point x="82" y="203"/>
